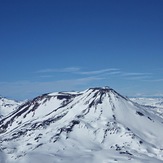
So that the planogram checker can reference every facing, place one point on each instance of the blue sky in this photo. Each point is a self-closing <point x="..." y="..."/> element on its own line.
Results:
<point x="63" y="45"/>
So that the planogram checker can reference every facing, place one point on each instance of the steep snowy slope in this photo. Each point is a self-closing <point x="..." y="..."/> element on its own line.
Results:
<point x="7" y="106"/>
<point x="96" y="125"/>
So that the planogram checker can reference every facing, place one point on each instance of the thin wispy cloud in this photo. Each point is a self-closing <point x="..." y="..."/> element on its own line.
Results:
<point x="68" y="69"/>
<point x="101" y="72"/>
<point x="78" y="71"/>
<point x="113" y="73"/>
<point x="28" y="89"/>
<point x="158" y="80"/>
<point x="111" y="70"/>
<point x="79" y="81"/>
<point x="155" y="80"/>
<point x="134" y="74"/>
<point x="46" y="76"/>
<point x="137" y="77"/>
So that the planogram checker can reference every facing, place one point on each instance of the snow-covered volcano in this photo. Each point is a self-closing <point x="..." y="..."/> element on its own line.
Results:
<point x="96" y="125"/>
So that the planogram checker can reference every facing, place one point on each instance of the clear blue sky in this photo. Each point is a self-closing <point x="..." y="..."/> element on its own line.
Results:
<point x="54" y="45"/>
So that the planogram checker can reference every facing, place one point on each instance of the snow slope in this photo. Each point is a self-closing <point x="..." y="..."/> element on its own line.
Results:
<point x="96" y="125"/>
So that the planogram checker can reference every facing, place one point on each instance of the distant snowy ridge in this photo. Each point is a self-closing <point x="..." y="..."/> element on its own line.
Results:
<point x="153" y="104"/>
<point x="156" y="102"/>
<point x="95" y="125"/>
<point x="7" y="106"/>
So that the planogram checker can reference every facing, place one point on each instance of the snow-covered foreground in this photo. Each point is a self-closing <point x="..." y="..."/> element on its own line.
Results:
<point x="96" y="125"/>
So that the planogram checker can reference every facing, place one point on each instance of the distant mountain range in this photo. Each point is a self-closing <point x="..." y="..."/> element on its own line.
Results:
<point x="97" y="125"/>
